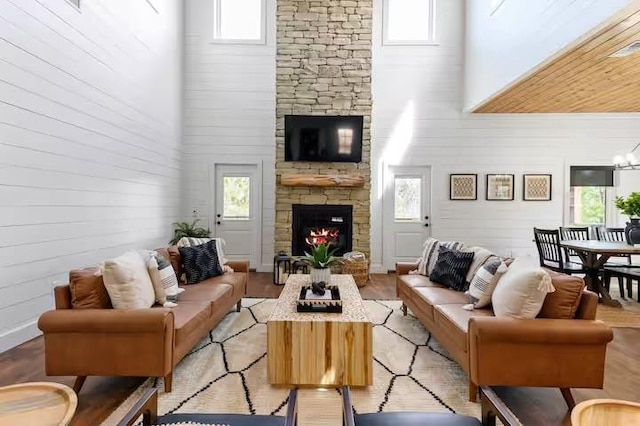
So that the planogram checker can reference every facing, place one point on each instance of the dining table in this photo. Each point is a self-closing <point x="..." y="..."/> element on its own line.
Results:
<point x="594" y="254"/>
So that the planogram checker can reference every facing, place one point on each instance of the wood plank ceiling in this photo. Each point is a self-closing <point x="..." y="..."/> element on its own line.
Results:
<point x="582" y="78"/>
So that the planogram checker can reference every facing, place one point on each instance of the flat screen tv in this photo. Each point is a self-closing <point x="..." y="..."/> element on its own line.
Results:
<point x="323" y="138"/>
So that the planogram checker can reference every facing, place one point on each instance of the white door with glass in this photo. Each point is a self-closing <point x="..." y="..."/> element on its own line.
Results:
<point x="406" y="202"/>
<point x="236" y="210"/>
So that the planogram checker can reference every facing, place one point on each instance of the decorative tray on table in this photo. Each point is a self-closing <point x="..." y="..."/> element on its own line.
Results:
<point x="328" y="302"/>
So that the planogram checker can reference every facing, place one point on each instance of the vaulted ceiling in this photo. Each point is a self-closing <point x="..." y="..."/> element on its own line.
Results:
<point x="583" y="77"/>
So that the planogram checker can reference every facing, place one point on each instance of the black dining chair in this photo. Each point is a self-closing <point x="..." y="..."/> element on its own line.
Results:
<point x="579" y="233"/>
<point x="406" y="418"/>
<point x="147" y="407"/>
<point x="621" y="273"/>
<point x="551" y="253"/>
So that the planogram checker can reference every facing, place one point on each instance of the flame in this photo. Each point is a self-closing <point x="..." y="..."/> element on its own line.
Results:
<point x="322" y="236"/>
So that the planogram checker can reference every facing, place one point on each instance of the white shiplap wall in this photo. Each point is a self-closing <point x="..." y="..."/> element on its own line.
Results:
<point x="229" y="114"/>
<point x="417" y="119"/>
<point x="504" y="45"/>
<point x="90" y="156"/>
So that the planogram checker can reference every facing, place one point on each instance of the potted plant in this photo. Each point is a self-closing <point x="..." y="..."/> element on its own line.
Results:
<point x="631" y="207"/>
<point x="186" y="229"/>
<point x="320" y="259"/>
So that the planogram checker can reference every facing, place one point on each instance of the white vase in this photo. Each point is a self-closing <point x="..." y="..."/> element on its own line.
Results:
<point x="318" y="275"/>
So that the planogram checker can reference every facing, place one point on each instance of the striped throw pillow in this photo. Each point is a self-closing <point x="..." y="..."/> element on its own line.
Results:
<point x="484" y="282"/>
<point x="430" y="252"/>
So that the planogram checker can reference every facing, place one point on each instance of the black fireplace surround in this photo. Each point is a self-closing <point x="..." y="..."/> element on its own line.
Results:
<point x="314" y="218"/>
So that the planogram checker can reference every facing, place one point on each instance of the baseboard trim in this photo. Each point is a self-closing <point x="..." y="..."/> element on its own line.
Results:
<point x="19" y="335"/>
<point x="378" y="268"/>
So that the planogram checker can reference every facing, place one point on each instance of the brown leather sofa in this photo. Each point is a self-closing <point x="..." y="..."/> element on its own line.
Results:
<point x="138" y="342"/>
<point x="538" y="352"/>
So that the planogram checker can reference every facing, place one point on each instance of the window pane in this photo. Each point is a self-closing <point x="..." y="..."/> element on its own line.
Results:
<point x="237" y="197"/>
<point x="408" y="199"/>
<point x="240" y="19"/>
<point x="408" y="20"/>
<point x="587" y="205"/>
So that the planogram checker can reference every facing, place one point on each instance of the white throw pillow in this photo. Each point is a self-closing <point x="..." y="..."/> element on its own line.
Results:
<point x="127" y="281"/>
<point x="484" y="283"/>
<point x="521" y="291"/>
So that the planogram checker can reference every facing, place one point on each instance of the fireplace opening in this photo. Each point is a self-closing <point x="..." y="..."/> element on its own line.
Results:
<point x="316" y="224"/>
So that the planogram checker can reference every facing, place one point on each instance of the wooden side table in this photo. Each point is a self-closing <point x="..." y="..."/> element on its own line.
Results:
<point x="37" y="404"/>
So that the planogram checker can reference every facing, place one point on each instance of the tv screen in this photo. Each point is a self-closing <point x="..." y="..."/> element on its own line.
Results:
<point x="323" y="138"/>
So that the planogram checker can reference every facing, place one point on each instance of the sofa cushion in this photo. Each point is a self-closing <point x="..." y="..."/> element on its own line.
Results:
<point x="455" y="321"/>
<point x="521" y="291"/>
<point x="562" y="303"/>
<point x="431" y="296"/>
<point x="176" y="261"/>
<point x="237" y="280"/>
<point x="88" y="290"/>
<point x="451" y="268"/>
<point x="201" y="262"/>
<point x="205" y="291"/>
<point x="418" y="281"/>
<point x="189" y="316"/>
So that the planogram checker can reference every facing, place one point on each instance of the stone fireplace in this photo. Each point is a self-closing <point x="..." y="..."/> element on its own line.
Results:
<point x="314" y="224"/>
<point x="323" y="68"/>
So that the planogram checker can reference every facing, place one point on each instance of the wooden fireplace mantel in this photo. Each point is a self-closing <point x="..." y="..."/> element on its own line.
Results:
<point x="346" y="180"/>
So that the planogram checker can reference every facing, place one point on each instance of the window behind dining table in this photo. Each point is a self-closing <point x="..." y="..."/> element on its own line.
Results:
<point x="589" y="194"/>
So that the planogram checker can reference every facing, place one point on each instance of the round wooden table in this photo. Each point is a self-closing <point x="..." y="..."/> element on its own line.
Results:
<point x="37" y="404"/>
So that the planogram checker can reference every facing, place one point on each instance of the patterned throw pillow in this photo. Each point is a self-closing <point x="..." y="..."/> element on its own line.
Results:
<point x="451" y="268"/>
<point x="165" y="282"/>
<point x="430" y="254"/>
<point x="201" y="262"/>
<point x="192" y="242"/>
<point x="484" y="282"/>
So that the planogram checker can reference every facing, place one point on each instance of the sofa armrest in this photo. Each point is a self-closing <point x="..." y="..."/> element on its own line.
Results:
<point x="238" y="265"/>
<point x="403" y="268"/>
<point x="108" y="342"/>
<point x="539" y="330"/>
<point x="564" y="353"/>
<point x="106" y="321"/>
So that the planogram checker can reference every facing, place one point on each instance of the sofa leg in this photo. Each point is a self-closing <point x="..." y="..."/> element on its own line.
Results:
<point x="168" y="382"/>
<point x="77" y="385"/>
<point x="568" y="398"/>
<point x="238" y="305"/>
<point x="473" y="392"/>
<point x="404" y="309"/>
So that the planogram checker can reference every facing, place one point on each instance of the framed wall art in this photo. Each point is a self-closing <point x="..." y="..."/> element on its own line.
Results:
<point x="463" y="187"/>
<point x="499" y="187"/>
<point x="536" y="187"/>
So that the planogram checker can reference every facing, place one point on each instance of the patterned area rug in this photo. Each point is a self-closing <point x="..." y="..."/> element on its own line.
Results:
<point x="226" y="372"/>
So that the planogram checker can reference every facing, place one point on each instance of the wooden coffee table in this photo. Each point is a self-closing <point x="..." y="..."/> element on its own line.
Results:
<point x="320" y="349"/>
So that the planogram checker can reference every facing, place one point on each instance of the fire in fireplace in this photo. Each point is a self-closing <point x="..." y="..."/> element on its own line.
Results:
<point x="323" y="236"/>
<point x="316" y="224"/>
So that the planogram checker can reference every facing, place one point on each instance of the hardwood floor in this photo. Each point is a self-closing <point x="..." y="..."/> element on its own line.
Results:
<point x="101" y="395"/>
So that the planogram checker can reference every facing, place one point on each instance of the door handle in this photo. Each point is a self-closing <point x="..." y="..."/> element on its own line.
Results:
<point x="218" y="223"/>
<point x="426" y="225"/>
